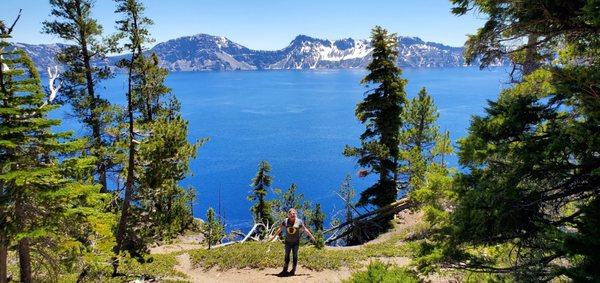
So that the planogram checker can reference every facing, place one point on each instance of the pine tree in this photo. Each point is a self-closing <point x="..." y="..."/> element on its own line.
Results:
<point x="532" y="158"/>
<point x="380" y="112"/>
<point x="260" y="184"/>
<point x="133" y="27"/>
<point x="212" y="229"/>
<point x="423" y="148"/>
<point x="164" y="157"/>
<point x="419" y="138"/>
<point x="316" y="220"/>
<point x="42" y="192"/>
<point x="285" y="200"/>
<point x="157" y="146"/>
<point x="347" y="194"/>
<point x="74" y="24"/>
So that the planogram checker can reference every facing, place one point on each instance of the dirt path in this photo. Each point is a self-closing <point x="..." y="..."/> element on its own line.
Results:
<point x="257" y="275"/>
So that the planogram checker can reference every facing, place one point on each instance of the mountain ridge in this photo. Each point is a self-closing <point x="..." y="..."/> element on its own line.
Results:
<point x="204" y="52"/>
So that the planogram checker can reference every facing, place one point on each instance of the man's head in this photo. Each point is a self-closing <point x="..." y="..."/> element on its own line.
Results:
<point x="292" y="213"/>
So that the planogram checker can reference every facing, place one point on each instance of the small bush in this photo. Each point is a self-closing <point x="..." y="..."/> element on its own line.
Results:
<point x="320" y="240"/>
<point x="382" y="273"/>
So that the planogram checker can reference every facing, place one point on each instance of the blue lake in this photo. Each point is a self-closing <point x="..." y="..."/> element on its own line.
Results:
<point x="300" y="122"/>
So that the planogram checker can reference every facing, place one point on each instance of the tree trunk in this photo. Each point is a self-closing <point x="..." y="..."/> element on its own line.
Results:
<point x="3" y="258"/>
<point x="23" y="247"/>
<point x="3" y="237"/>
<point x="121" y="232"/>
<point x="25" y="260"/>
<point x="94" y="121"/>
<point x="531" y="61"/>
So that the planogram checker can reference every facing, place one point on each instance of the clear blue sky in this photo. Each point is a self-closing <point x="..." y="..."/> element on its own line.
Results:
<point x="268" y="24"/>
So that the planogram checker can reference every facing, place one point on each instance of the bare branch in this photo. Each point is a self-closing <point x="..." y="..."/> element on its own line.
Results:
<point x="15" y="22"/>
<point x="52" y="76"/>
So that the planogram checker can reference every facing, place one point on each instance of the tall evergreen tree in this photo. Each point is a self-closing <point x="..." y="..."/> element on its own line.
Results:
<point x="43" y="189"/>
<point x="155" y="207"/>
<point x="163" y="158"/>
<point x="133" y="27"/>
<point x="533" y="157"/>
<point x="81" y="79"/>
<point x="380" y="112"/>
<point x="260" y="186"/>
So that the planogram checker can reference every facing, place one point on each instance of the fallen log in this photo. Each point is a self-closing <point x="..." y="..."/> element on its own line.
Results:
<point x="246" y="238"/>
<point x="391" y="208"/>
<point x="348" y="231"/>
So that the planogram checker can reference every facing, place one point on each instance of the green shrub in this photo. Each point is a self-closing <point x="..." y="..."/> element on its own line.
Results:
<point x="378" y="272"/>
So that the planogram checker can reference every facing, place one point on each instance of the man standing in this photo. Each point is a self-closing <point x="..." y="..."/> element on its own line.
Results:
<point x="292" y="227"/>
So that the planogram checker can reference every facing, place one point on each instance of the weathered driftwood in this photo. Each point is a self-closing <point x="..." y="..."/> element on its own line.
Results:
<point x="249" y="236"/>
<point x="52" y="76"/>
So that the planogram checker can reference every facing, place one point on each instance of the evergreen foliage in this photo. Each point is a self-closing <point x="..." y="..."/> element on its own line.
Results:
<point x="155" y="207"/>
<point x="422" y="144"/>
<point x="423" y="149"/>
<point x="285" y="200"/>
<point x="260" y="186"/>
<point x="130" y="235"/>
<point x="316" y="220"/>
<point x="45" y="183"/>
<point x="212" y="229"/>
<point x="382" y="273"/>
<point x="347" y="193"/>
<point x="148" y="145"/>
<point x="532" y="159"/>
<point x="380" y="113"/>
<point x="74" y="23"/>
<point x="164" y="158"/>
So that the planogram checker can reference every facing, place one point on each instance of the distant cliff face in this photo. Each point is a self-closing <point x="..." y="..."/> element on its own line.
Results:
<point x="206" y="52"/>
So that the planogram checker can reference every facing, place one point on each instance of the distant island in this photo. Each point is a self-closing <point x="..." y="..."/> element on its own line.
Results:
<point x="203" y="52"/>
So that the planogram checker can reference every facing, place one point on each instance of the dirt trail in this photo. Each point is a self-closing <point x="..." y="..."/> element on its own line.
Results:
<point x="407" y="221"/>
<point x="257" y="275"/>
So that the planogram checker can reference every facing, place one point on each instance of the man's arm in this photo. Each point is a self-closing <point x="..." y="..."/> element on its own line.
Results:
<point x="276" y="233"/>
<point x="308" y="232"/>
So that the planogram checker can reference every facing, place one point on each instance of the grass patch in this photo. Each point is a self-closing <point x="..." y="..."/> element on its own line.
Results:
<point x="262" y="255"/>
<point x="377" y="272"/>
<point x="157" y="266"/>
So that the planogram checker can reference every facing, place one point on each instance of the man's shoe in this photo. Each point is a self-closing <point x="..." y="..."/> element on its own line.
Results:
<point x="292" y="273"/>
<point x="283" y="273"/>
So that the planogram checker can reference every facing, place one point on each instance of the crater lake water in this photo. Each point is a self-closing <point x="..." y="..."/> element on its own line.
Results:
<point x="299" y="121"/>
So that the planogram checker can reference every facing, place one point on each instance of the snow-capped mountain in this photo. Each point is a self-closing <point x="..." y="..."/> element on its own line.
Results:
<point x="203" y="52"/>
<point x="43" y="55"/>
<point x="305" y="52"/>
<point x="206" y="52"/>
